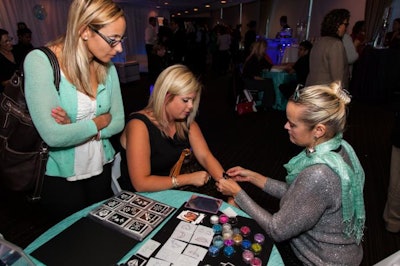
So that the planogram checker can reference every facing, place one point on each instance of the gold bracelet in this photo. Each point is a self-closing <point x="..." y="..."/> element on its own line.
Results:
<point x="175" y="182"/>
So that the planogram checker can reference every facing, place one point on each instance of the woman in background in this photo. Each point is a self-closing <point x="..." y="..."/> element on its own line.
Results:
<point x="328" y="59"/>
<point x="8" y="64"/>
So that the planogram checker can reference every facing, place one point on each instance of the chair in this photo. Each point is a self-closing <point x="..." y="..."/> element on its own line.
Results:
<point x="262" y="90"/>
<point x="115" y="174"/>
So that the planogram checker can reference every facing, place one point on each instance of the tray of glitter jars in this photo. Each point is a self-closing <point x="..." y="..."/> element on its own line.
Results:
<point x="235" y="241"/>
<point x="240" y="239"/>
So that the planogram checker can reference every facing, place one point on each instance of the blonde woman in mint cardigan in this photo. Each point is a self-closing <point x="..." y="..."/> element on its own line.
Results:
<point x="78" y="121"/>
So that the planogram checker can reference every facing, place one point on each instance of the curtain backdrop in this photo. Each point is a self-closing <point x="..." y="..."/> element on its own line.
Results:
<point x="54" y="24"/>
<point x="374" y="10"/>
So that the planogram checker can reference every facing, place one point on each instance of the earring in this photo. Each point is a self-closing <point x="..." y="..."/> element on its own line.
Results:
<point x="311" y="150"/>
<point x="85" y="38"/>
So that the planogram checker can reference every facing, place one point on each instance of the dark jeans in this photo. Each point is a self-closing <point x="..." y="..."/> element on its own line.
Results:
<point x="61" y="198"/>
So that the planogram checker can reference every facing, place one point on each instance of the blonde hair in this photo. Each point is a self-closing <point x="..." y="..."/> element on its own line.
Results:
<point x="174" y="81"/>
<point x="258" y="49"/>
<point x="74" y="57"/>
<point x="325" y="104"/>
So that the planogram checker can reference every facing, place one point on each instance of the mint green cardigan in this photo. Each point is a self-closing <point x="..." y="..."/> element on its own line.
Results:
<point x="42" y="97"/>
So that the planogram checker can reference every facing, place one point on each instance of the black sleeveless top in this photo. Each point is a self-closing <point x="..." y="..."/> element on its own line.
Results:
<point x="164" y="152"/>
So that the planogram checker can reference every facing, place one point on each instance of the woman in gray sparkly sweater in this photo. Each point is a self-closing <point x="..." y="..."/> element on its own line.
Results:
<point x="321" y="203"/>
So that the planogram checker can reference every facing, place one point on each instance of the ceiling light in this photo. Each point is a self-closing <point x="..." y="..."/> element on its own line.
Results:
<point x="166" y="3"/>
<point x="207" y="5"/>
<point x="195" y="9"/>
<point x="223" y="2"/>
<point x="186" y="11"/>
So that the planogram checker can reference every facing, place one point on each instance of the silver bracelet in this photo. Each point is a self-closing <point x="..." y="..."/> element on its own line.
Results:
<point x="175" y="182"/>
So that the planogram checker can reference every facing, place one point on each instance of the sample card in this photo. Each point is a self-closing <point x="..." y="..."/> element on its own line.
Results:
<point x="184" y="260"/>
<point x="184" y="231"/>
<point x="171" y="250"/>
<point x="195" y="252"/>
<point x="191" y="216"/>
<point x="157" y="262"/>
<point x="202" y="236"/>
<point x="148" y="248"/>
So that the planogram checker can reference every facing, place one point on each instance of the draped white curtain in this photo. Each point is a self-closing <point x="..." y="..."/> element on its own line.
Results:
<point x="54" y="24"/>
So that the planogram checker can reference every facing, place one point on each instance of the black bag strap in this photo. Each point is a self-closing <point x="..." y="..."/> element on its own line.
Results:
<point x="44" y="149"/>
<point x="54" y="64"/>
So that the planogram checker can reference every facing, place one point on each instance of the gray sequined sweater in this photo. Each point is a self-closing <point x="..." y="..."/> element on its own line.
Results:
<point x="310" y="215"/>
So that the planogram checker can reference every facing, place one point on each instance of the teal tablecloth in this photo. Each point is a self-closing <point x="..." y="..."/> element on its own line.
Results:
<point x="174" y="198"/>
<point x="279" y="78"/>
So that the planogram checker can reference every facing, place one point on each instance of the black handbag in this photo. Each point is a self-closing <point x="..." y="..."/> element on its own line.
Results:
<point x="23" y="153"/>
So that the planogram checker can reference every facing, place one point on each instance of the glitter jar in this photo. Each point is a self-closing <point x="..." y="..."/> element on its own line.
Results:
<point x="247" y="256"/>
<point x="214" y="219"/>
<point x="256" y="248"/>
<point x="259" y="238"/>
<point x="236" y="231"/>
<point x="256" y="262"/>
<point x="223" y="219"/>
<point x="228" y="242"/>
<point x="218" y="241"/>
<point x="213" y="251"/>
<point x="237" y="238"/>
<point x="229" y="251"/>
<point x="246" y="244"/>
<point x="245" y="230"/>
<point x="217" y="228"/>
<point x="227" y="234"/>
<point x="226" y="227"/>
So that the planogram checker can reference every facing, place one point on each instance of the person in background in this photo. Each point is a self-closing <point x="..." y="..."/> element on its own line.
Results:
<point x="223" y="54"/>
<point x="150" y="38"/>
<point x="358" y="36"/>
<point x="24" y="45"/>
<point x="391" y="214"/>
<point x="392" y="38"/>
<point x="257" y="61"/>
<point x="351" y="52"/>
<point x="78" y="121"/>
<point x="249" y="37"/>
<point x="321" y="210"/>
<point x="301" y="67"/>
<point x="285" y="31"/>
<point x="8" y="64"/>
<point x="254" y="65"/>
<point x="154" y="137"/>
<point x="177" y="44"/>
<point x="160" y="61"/>
<point x="328" y="59"/>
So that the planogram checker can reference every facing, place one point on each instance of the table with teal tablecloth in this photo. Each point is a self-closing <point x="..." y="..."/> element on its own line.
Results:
<point x="279" y="78"/>
<point x="174" y="198"/>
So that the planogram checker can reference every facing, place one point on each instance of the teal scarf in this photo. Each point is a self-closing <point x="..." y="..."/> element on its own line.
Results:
<point x="352" y="180"/>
